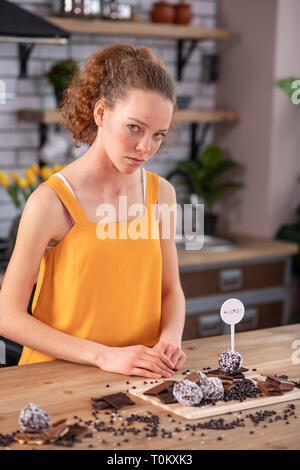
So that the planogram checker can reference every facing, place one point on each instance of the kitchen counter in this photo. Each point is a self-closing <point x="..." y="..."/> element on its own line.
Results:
<point x="64" y="389"/>
<point x="248" y="249"/>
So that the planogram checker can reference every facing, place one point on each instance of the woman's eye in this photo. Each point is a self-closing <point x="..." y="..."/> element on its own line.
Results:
<point x="135" y="129"/>
<point x="133" y="125"/>
<point x="161" y="136"/>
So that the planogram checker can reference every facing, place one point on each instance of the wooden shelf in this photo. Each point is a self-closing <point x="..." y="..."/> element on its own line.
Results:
<point x="183" y="115"/>
<point x="130" y="28"/>
<point x="208" y="115"/>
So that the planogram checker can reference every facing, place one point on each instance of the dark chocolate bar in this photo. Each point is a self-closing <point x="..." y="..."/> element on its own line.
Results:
<point x="115" y="400"/>
<point x="167" y="397"/>
<point x="162" y="387"/>
<point x="282" y="384"/>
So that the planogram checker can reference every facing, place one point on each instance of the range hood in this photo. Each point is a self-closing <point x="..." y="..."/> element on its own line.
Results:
<point x="25" y="28"/>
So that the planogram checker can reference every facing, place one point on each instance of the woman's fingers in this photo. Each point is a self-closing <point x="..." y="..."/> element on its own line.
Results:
<point x="145" y="373"/>
<point x="177" y="353"/>
<point x="180" y="361"/>
<point x="161" y="356"/>
<point x="150" y="365"/>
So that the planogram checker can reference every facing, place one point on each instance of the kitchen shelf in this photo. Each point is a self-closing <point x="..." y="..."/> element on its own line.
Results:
<point x="184" y="34"/>
<point x="136" y="28"/>
<point x="196" y="117"/>
<point x="184" y="115"/>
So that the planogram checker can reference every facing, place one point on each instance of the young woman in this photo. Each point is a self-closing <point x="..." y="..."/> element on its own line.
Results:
<point x="115" y="302"/>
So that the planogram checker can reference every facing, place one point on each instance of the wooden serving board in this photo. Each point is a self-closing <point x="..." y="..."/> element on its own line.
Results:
<point x="193" y="412"/>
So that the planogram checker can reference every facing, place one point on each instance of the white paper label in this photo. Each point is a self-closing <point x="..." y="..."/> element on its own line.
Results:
<point x="232" y="311"/>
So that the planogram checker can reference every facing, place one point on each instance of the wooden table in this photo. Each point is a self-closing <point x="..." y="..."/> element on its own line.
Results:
<point x="64" y="389"/>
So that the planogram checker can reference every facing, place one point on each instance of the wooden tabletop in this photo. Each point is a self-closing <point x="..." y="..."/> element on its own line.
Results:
<point x="64" y="389"/>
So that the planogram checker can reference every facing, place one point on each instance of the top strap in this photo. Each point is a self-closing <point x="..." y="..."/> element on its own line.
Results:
<point x="151" y="190"/>
<point x="67" y="198"/>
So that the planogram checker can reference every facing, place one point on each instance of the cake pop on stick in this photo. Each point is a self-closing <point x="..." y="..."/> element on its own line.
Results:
<point x="232" y="312"/>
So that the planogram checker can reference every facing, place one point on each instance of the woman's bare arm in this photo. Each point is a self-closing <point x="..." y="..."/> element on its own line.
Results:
<point x="38" y="225"/>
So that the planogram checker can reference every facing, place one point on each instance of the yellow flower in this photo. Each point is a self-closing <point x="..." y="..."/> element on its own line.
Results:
<point x="14" y="176"/>
<point x="4" y="179"/>
<point x="36" y="169"/>
<point x="22" y="183"/>
<point x="46" y="172"/>
<point x="57" y="167"/>
<point x="30" y="176"/>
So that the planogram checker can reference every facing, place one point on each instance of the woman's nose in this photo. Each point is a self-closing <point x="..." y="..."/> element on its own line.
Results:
<point x="144" y="145"/>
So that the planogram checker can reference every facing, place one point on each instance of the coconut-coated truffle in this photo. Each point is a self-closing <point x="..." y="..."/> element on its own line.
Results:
<point x="230" y="361"/>
<point x="187" y="392"/>
<point x="33" y="417"/>
<point x="212" y="388"/>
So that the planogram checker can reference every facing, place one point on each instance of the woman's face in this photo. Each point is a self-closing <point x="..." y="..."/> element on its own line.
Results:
<point x="135" y="129"/>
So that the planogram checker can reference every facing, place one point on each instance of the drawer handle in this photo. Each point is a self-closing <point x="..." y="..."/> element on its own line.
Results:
<point x="209" y="325"/>
<point x="230" y="279"/>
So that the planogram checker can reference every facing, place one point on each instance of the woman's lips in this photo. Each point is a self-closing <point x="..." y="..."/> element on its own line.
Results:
<point x="134" y="160"/>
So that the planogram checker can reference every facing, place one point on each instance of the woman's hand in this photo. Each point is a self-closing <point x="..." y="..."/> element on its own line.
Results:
<point x="135" y="360"/>
<point x="172" y="351"/>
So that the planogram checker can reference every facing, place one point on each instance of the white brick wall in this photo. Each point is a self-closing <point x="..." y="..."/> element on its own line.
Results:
<point x="19" y="140"/>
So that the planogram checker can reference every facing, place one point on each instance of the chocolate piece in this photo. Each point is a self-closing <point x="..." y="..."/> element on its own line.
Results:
<point x="258" y="379"/>
<point x="100" y="404"/>
<point x="268" y="390"/>
<point x="115" y="400"/>
<point x="167" y="397"/>
<point x="62" y="429"/>
<point x="228" y="387"/>
<point x="282" y="384"/>
<point x="196" y="377"/>
<point x="235" y="375"/>
<point x="157" y="389"/>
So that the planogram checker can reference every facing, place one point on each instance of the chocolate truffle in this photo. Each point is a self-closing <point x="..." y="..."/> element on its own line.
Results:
<point x="33" y="417"/>
<point x="187" y="392"/>
<point x="202" y="375"/>
<point x="230" y="361"/>
<point x="212" y="388"/>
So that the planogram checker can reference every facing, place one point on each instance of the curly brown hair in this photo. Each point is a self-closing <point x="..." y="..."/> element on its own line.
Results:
<point x="111" y="74"/>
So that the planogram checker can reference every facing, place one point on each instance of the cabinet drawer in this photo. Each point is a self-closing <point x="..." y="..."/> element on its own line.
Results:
<point x="229" y="279"/>
<point x="204" y="324"/>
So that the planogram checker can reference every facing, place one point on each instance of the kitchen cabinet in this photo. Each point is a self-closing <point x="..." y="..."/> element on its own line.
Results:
<point x="260" y="278"/>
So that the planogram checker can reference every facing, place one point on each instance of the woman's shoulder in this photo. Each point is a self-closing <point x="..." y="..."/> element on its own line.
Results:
<point x="166" y="191"/>
<point x="44" y="201"/>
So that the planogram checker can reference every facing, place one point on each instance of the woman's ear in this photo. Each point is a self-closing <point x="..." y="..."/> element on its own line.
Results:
<point x="99" y="111"/>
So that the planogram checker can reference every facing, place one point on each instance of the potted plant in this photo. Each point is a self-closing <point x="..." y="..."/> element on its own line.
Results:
<point x="205" y="173"/>
<point x="61" y="75"/>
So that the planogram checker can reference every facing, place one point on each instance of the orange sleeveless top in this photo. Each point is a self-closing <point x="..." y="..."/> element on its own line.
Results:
<point x="106" y="290"/>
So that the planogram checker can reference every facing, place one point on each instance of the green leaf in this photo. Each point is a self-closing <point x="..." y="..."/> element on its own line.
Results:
<point x="285" y="84"/>
<point x="211" y="156"/>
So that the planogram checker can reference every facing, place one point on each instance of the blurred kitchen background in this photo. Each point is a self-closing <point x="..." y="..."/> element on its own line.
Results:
<point x="235" y="149"/>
